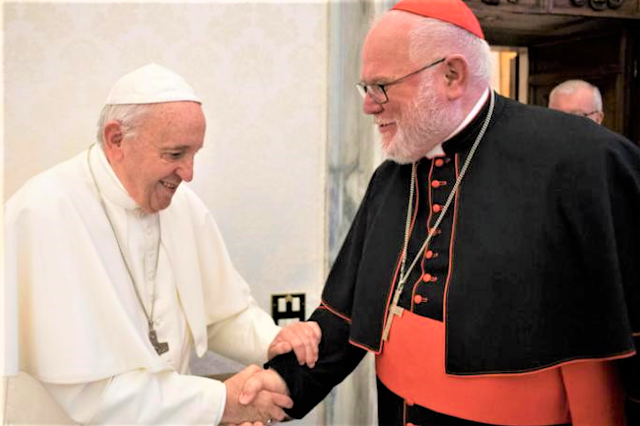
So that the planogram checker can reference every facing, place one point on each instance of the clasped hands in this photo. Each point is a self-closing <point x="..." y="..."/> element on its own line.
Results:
<point x="258" y="397"/>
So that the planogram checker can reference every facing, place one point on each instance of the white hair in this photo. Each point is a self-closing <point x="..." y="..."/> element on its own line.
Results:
<point x="569" y="87"/>
<point x="438" y="39"/>
<point x="130" y="116"/>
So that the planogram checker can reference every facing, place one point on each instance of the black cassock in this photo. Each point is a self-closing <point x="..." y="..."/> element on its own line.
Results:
<point x="544" y="266"/>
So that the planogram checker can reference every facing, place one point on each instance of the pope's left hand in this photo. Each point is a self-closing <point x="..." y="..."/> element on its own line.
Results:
<point x="302" y="338"/>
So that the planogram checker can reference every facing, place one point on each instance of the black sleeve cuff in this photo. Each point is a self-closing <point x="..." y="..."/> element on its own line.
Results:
<point x="337" y="358"/>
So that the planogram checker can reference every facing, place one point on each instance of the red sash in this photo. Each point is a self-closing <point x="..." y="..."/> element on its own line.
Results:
<point x="412" y="366"/>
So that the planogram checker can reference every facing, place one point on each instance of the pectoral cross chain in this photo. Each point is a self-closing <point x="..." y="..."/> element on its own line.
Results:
<point x="160" y="347"/>
<point x="394" y="310"/>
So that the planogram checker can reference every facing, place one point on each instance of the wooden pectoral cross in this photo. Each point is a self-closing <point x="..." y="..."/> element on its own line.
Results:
<point x="394" y="310"/>
<point x="160" y="347"/>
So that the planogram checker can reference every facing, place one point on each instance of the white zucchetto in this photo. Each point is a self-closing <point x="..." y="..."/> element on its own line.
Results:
<point x="151" y="84"/>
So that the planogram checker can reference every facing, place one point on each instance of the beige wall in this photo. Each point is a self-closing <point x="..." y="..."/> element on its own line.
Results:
<point x="260" y="70"/>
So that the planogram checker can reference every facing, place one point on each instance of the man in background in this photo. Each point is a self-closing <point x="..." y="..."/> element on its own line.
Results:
<point x="121" y="272"/>
<point x="577" y="97"/>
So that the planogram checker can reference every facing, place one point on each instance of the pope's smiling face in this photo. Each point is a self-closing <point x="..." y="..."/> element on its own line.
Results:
<point x="153" y="162"/>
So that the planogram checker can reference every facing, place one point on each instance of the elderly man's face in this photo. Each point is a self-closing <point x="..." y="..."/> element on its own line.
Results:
<point x="161" y="153"/>
<point x="411" y="121"/>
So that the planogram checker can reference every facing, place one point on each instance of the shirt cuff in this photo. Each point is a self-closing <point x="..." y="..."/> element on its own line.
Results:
<point x="215" y="396"/>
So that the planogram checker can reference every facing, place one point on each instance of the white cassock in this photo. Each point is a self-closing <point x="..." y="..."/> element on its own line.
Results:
<point x="82" y="332"/>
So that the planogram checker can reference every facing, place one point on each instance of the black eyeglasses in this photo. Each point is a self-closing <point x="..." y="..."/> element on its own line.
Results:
<point x="584" y="114"/>
<point x="377" y="91"/>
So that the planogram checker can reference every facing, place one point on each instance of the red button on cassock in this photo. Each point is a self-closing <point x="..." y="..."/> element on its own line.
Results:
<point x="435" y="183"/>
<point x="428" y="254"/>
<point x="439" y="162"/>
<point x="417" y="299"/>
<point x="436" y="208"/>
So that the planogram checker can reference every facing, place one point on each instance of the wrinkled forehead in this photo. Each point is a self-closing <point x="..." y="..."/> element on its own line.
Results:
<point x="174" y="123"/>
<point x="581" y="98"/>
<point x="176" y="111"/>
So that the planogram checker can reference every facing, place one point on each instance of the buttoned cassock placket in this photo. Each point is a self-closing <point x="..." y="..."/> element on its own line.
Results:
<point x="425" y="297"/>
<point x="156" y="286"/>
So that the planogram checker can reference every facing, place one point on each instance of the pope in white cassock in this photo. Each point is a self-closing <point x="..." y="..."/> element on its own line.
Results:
<point x="121" y="271"/>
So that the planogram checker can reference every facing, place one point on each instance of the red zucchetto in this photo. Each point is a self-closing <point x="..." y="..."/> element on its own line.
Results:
<point x="453" y="11"/>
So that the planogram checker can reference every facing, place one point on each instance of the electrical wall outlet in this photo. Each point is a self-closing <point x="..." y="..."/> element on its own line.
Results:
<point x="288" y="308"/>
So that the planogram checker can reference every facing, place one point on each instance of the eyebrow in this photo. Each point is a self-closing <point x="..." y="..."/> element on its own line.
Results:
<point x="380" y="81"/>
<point x="176" y="148"/>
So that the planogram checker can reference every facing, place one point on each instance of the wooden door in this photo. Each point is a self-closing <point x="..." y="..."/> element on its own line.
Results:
<point x="592" y="40"/>
<point x="607" y="59"/>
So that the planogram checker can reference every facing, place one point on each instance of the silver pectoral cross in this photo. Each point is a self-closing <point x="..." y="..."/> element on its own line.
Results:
<point x="394" y="310"/>
<point x="160" y="347"/>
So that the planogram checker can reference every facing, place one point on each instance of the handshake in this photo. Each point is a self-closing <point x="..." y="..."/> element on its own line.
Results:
<point x="255" y="397"/>
<point x="258" y="397"/>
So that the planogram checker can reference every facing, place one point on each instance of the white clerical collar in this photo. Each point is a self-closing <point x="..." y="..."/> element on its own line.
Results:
<point x="437" y="150"/>
<point x="110" y="186"/>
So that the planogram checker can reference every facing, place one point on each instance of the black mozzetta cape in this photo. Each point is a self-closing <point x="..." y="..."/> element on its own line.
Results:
<point x="544" y="261"/>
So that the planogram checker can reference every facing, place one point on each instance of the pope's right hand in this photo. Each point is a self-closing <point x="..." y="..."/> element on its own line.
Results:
<point x="263" y="401"/>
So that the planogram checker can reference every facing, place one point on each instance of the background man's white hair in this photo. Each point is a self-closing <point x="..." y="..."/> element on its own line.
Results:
<point x="571" y="86"/>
